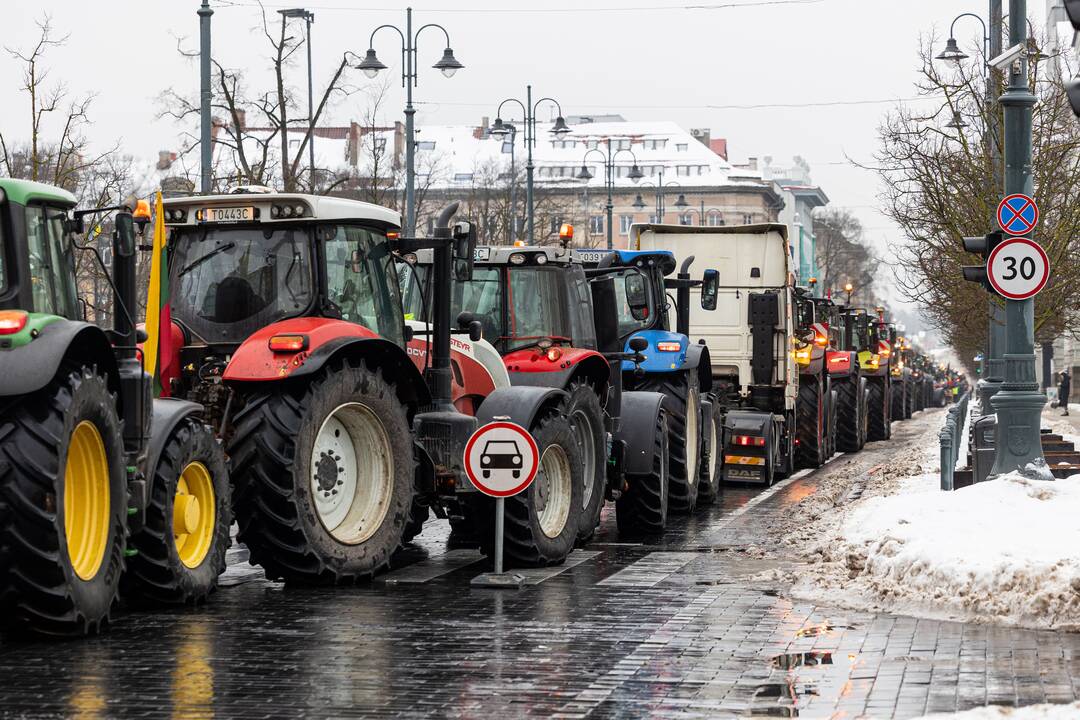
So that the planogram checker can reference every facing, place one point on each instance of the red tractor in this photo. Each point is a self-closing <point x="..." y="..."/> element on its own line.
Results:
<point x="290" y="326"/>
<point x="546" y="318"/>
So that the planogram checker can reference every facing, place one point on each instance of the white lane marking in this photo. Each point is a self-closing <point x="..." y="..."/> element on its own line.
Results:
<point x="535" y="576"/>
<point x="433" y="567"/>
<point x="650" y="570"/>
<point x="763" y="496"/>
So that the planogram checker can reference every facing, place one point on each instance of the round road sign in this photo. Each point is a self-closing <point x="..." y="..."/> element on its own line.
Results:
<point x="1018" y="214"/>
<point x="501" y="459"/>
<point x="1018" y="268"/>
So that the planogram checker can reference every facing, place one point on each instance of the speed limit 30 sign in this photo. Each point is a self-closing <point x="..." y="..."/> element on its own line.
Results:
<point x="1018" y="268"/>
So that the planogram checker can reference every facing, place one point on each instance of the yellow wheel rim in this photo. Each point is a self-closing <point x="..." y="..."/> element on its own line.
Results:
<point x="86" y="500"/>
<point x="194" y="514"/>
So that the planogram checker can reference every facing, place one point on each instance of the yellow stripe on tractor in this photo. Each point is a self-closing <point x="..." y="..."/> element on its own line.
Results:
<point x="743" y="460"/>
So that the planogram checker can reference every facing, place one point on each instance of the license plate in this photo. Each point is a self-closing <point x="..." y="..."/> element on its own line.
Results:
<point x="482" y="254"/>
<point x="591" y="256"/>
<point x="228" y="214"/>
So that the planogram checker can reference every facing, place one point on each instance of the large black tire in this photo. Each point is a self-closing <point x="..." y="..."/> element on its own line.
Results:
<point x="712" y="459"/>
<point x="850" y="422"/>
<point x="418" y="514"/>
<point x="157" y="574"/>
<point x="526" y="543"/>
<point x="643" y="508"/>
<point x="587" y="419"/>
<point x="877" y="409"/>
<point x="811" y="423"/>
<point x="909" y="400"/>
<point x="898" y="400"/>
<point x="275" y="495"/>
<point x="685" y="437"/>
<point x="40" y="590"/>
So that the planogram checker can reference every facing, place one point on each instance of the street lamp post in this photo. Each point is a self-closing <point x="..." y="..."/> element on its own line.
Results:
<point x="205" y="97"/>
<point x="1019" y="404"/>
<point x="499" y="128"/>
<point x="661" y="200"/>
<point x="371" y="66"/>
<point x="609" y="158"/>
<point x="989" y="385"/>
<point x="308" y="18"/>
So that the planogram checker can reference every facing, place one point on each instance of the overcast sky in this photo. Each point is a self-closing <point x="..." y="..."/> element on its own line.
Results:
<point x="645" y="59"/>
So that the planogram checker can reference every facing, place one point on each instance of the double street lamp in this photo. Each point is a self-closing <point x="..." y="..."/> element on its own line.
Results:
<point x="500" y="129"/>
<point x="371" y="66"/>
<point x="661" y="200"/>
<point x="609" y="158"/>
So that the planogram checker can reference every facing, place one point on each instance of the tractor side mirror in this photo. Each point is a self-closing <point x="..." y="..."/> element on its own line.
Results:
<point x="637" y="295"/>
<point x="464" y="250"/>
<point x="710" y="289"/>
<point x="476" y="331"/>
<point x="638" y="344"/>
<point x="465" y="320"/>
<point x="892" y="336"/>
<point x="125" y="234"/>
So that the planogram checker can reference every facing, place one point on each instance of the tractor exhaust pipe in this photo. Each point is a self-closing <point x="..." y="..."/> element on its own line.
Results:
<point x="682" y="298"/>
<point x="439" y="374"/>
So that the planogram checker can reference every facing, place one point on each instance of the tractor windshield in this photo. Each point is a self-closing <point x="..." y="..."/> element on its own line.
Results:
<point x="537" y="309"/>
<point x="635" y="315"/>
<point x="227" y="282"/>
<point x="52" y="268"/>
<point x="361" y="279"/>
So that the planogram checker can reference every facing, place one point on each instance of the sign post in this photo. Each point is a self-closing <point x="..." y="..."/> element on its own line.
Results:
<point x="501" y="460"/>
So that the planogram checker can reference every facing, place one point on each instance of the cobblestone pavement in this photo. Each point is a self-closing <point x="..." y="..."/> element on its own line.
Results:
<point x="674" y="629"/>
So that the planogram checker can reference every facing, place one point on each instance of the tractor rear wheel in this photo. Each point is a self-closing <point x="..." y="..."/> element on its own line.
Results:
<point x="643" y="507"/>
<point x="849" y="415"/>
<point x="587" y="420"/>
<point x="909" y="400"/>
<point x="897" y="404"/>
<point x="712" y="461"/>
<point x="324" y="477"/>
<point x="181" y="548"/>
<point x="811" y="423"/>
<point x="63" y="507"/>
<point x="877" y="406"/>
<point x="540" y="524"/>
<point x="683" y="403"/>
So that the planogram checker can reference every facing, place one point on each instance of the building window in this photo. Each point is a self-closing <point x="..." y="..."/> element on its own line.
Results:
<point x="716" y="219"/>
<point x="596" y="224"/>
<point x="682" y="147"/>
<point x="654" y="219"/>
<point x="625" y="221"/>
<point x="686" y="219"/>
<point x="507" y="147"/>
<point x="463" y="177"/>
<point x="622" y="144"/>
<point x="655" y="144"/>
<point x="425" y="145"/>
<point x="592" y="144"/>
<point x="748" y="219"/>
<point x="683" y="171"/>
<point x="380" y="145"/>
<point x="555" y="223"/>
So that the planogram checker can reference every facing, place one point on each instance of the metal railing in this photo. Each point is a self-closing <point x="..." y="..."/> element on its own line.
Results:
<point x="950" y="437"/>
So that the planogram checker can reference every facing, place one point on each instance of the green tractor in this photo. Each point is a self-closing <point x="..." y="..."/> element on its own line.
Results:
<point x="105" y="492"/>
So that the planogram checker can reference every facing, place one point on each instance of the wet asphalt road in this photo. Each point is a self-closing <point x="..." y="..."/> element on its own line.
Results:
<point x="679" y="628"/>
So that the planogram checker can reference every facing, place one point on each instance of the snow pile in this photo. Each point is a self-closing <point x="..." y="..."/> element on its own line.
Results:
<point x="1001" y="551"/>
<point x="1031" y="712"/>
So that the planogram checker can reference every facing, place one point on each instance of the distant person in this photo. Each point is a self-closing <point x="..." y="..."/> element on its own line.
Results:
<point x="1064" y="388"/>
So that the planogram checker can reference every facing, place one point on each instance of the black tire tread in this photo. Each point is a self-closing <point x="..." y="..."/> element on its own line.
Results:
<point x="877" y="408"/>
<point x="811" y="449"/>
<point x="642" y="509"/>
<point x="682" y="494"/>
<point x="583" y="392"/>
<point x="848" y="415"/>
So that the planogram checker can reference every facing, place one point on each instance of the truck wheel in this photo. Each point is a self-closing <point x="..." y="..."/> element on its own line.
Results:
<point x="643" y="508"/>
<point x="324" y="477"/>
<point x="63" y="507"/>
<point x="909" y="401"/>
<point x="811" y="425"/>
<point x="181" y="549"/>
<point x="878" y="410"/>
<point x="587" y="420"/>
<point x="896" y="408"/>
<point x="849" y="415"/>
<point x="683" y="403"/>
<point x="712" y="462"/>
<point x="541" y="524"/>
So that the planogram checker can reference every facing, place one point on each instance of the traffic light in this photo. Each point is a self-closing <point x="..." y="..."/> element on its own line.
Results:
<point x="1072" y="87"/>
<point x="1072" y="9"/>
<point x="983" y="246"/>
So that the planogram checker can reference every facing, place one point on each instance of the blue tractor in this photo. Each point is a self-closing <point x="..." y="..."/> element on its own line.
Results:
<point x="673" y="365"/>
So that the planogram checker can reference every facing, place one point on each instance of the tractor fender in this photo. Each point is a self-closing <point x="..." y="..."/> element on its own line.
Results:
<point x="637" y="430"/>
<point x="165" y="416"/>
<point x="656" y="360"/>
<point x="697" y="358"/>
<point x="526" y="367"/>
<point x="329" y="341"/>
<point x="30" y="367"/>
<point x="522" y="404"/>
<point x="747" y="422"/>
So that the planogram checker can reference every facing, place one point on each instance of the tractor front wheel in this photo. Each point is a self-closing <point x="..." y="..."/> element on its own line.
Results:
<point x="63" y="507"/>
<point x="324" y="477"/>
<point x="683" y="402"/>
<point x="643" y="507"/>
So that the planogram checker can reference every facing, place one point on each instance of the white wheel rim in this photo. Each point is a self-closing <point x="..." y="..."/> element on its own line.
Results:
<point x="693" y="417"/>
<point x="714" y="445"/>
<point x="554" y="490"/>
<point x="352" y="473"/>
<point x="585" y="432"/>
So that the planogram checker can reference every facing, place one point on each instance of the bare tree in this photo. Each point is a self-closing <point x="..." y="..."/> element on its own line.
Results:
<point x="843" y="255"/>
<point x="938" y="188"/>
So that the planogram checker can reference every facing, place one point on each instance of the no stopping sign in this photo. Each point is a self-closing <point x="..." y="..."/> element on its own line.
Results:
<point x="1018" y="268"/>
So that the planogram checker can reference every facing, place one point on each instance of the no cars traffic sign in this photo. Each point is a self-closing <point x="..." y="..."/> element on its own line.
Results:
<point x="1018" y="268"/>
<point x="501" y="459"/>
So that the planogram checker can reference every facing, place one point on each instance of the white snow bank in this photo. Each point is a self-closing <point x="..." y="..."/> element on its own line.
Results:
<point x="1000" y="551"/>
<point x="1031" y="712"/>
